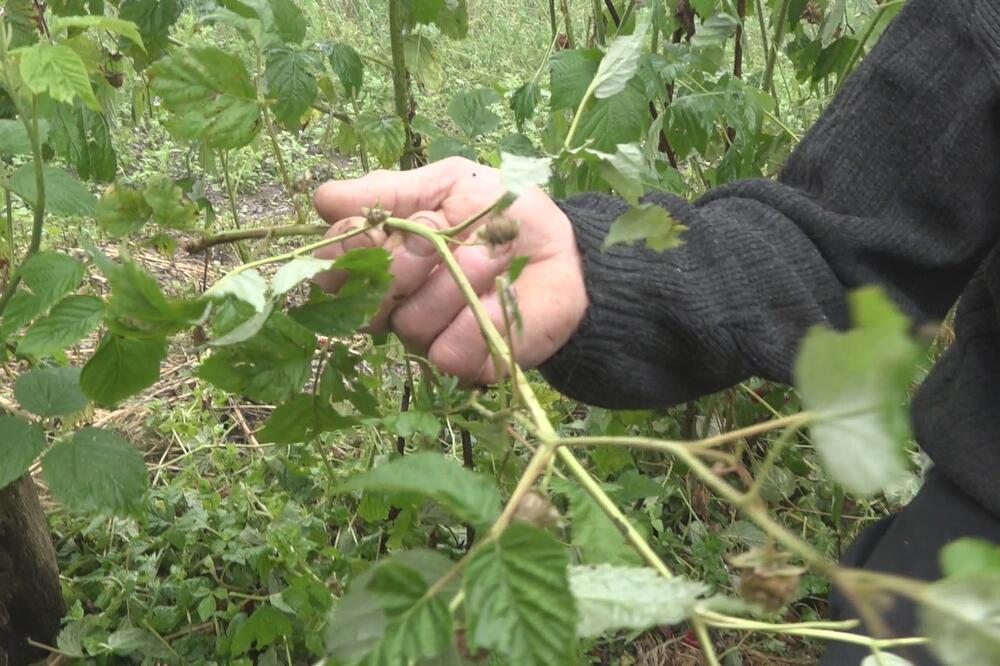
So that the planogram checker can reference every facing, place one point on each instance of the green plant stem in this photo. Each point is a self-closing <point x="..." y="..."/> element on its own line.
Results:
<point x="568" y="19"/>
<point x="276" y="231"/>
<point x="9" y="228"/>
<point x="276" y="147"/>
<point x="810" y="629"/>
<point x="454" y="231"/>
<point x="400" y="83"/>
<point x="241" y="249"/>
<point x="585" y="479"/>
<point x="553" y="24"/>
<point x="598" y="21"/>
<point x="772" y="55"/>
<point x="705" y="640"/>
<point x="305" y="249"/>
<point x="543" y="429"/>
<point x="38" y="221"/>
<point x="568" y="144"/>
<point x="627" y="14"/>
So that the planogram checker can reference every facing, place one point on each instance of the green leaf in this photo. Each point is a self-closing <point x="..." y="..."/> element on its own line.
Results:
<point x="296" y="271"/>
<point x="627" y="172"/>
<point x="270" y="367"/>
<point x="14" y="139"/>
<point x="647" y="222"/>
<point x="856" y="384"/>
<point x="471" y="496"/>
<point x="524" y="101"/>
<point x="450" y="16"/>
<point x="419" y="628"/>
<point x="597" y="537"/>
<point x="64" y="195"/>
<point x="211" y="94"/>
<point x="447" y="146"/>
<point x="571" y="72"/>
<point x="287" y="21"/>
<point x="112" y="24"/>
<point x="714" y="31"/>
<point x="422" y="61"/>
<point x="69" y="320"/>
<point x="835" y="13"/>
<point x="348" y="67"/>
<point x="51" y="275"/>
<point x="383" y="137"/>
<point x="411" y="422"/>
<point x="961" y="616"/>
<point x="517" y="144"/>
<point x="301" y="419"/>
<point x="96" y="470"/>
<point x="290" y="84"/>
<point x="20" y="443"/>
<point x="471" y="111"/>
<point x="264" y="627"/>
<point x="970" y="556"/>
<point x="248" y="286"/>
<point x="82" y="138"/>
<point x="621" y="62"/>
<point x="517" y="598"/>
<point x="168" y="204"/>
<point x="621" y="118"/>
<point x="137" y="641"/>
<point x="610" y="598"/>
<point x="138" y="309"/>
<point x="519" y="174"/>
<point x="56" y="69"/>
<point x="153" y="19"/>
<point x="121" y="368"/>
<point x="50" y="391"/>
<point x="122" y="211"/>
<point x="357" y="299"/>
<point x="359" y="622"/>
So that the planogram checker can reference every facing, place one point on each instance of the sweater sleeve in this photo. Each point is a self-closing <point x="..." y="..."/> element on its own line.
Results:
<point x="897" y="184"/>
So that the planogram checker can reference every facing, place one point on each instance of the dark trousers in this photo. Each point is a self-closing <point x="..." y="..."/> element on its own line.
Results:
<point x="907" y="544"/>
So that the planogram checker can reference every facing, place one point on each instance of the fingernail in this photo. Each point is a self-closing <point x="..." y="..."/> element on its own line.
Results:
<point x="417" y="244"/>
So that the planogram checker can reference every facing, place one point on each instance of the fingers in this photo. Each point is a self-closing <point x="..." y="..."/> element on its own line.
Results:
<point x="430" y="309"/>
<point x="413" y="259"/>
<point x="401" y="192"/>
<point x="551" y="307"/>
<point x="371" y="237"/>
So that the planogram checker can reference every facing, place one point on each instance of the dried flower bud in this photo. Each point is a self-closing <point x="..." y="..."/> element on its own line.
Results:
<point x="535" y="508"/>
<point x="116" y="79"/>
<point x="302" y="182"/>
<point x="375" y="215"/>
<point x="499" y="231"/>
<point x="766" y="578"/>
<point x="813" y="13"/>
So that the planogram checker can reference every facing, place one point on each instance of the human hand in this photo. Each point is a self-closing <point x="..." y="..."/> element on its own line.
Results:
<point x="424" y="306"/>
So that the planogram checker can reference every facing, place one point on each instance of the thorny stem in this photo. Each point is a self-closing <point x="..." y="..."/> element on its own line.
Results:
<point x="277" y="231"/>
<point x="400" y="83"/>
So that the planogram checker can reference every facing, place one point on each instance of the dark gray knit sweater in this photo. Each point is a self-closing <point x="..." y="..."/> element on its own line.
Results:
<point x="897" y="184"/>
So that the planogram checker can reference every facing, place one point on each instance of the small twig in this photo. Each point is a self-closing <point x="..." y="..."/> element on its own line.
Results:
<point x="196" y="245"/>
